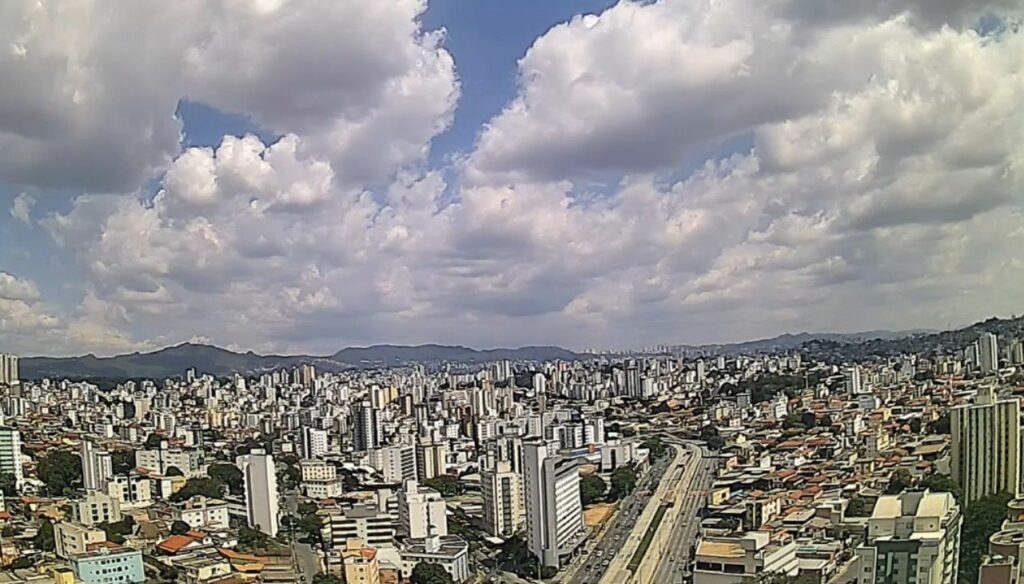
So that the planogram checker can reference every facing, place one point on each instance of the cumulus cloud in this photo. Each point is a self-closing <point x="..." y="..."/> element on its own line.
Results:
<point x="882" y="188"/>
<point x="21" y="208"/>
<point x="91" y="92"/>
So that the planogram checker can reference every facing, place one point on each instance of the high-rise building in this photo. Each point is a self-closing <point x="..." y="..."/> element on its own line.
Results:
<point x="852" y="381"/>
<point x="314" y="442"/>
<point x="912" y="537"/>
<point x="366" y="430"/>
<point x="986" y="446"/>
<point x="10" y="454"/>
<point x="988" y="353"/>
<point x="8" y="369"/>
<point x="261" y="503"/>
<point x="554" y="513"/>
<point x="97" y="466"/>
<point x="502" y="492"/>
<point x="396" y="464"/>
<point x="431" y="459"/>
<point x="421" y="511"/>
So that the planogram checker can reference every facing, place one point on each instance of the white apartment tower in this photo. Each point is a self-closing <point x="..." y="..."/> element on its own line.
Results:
<point x="10" y="454"/>
<point x="502" y="491"/>
<point x="314" y="442"/>
<point x="421" y="511"/>
<point x="9" y="374"/>
<point x="261" y="503"/>
<point x="988" y="353"/>
<point x="554" y="513"/>
<point x="986" y="446"/>
<point x="97" y="467"/>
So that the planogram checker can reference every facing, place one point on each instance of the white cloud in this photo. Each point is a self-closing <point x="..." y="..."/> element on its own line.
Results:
<point x="21" y="208"/>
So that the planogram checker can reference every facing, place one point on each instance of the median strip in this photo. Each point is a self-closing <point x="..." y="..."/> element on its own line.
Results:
<point x="645" y="543"/>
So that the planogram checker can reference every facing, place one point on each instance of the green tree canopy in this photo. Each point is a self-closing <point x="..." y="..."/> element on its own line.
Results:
<point x="179" y="527"/>
<point x="942" y="484"/>
<point x="8" y="485"/>
<point x="623" y="482"/>
<point x="447" y="485"/>
<point x="655" y="446"/>
<point x="859" y="507"/>
<point x="205" y="486"/>
<point x="60" y="470"/>
<point x="424" y="573"/>
<point x="899" y="482"/>
<point x="44" y="538"/>
<point x="173" y="471"/>
<point x="122" y="461"/>
<point x="981" y="519"/>
<point x="323" y="578"/>
<point x="592" y="488"/>
<point x="228" y="474"/>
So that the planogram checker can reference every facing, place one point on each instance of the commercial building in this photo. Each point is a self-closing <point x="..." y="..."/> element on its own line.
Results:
<point x="260" y="491"/>
<point x="421" y="511"/>
<point x="986" y="451"/>
<point x="9" y="374"/>
<point x="450" y="552"/>
<point x="988" y="353"/>
<point x="912" y="537"/>
<point x="366" y="428"/>
<point x="502" y="491"/>
<point x="554" y="513"/>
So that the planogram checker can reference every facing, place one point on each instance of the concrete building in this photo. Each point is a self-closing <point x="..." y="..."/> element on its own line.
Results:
<point x="161" y="459"/>
<point x="554" y="513"/>
<point x="985" y="454"/>
<point x="95" y="508"/>
<point x="502" y="491"/>
<point x="912" y="537"/>
<point x="72" y="538"/>
<point x="10" y="454"/>
<point x="97" y="466"/>
<point x="366" y="428"/>
<point x="109" y="566"/>
<point x="314" y="442"/>
<point x="431" y="459"/>
<point x="421" y="511"/>
<point x="738" y="559"/>
<point x="360" y="561"/>
<point x="202" y="513"/>
<point x="260" y="491"/>
<point x="131" y="490"/>
<point x="320" y="479"/>
<point x="396" y="464"/>
<point x="988" y="353"/>
<point x="450" y="552"/>
<point x="9" y="374"/>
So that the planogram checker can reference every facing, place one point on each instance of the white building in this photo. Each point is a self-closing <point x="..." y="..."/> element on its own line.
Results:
<point x="421" y="511"/>
<point x="161" y="459"/>
<point x="71" y="538"/>
<point x="912" y="537"/>
<point x="396" y="464"/>
<point x="450" y="552"/>
<point x="97" y="467"/>
<point x="96" y="507"/>
<point x="8" y="369"/>
<point x="314" y="442"/>
<point x="131" y="490"/>
<point x="320" y="479"/>
<point x="431" y="459"/>
<point x="10" y="454"/>
<point x="260" y="491"/>
<point x="988" y="353"/>
<point x="554" y="513"/>
<point x="986" y="451"/>
<point x="741" y="559"/>
<point x="502" y="491"/>
<point x="202" y="513"/>
<point x="366" y="428"/>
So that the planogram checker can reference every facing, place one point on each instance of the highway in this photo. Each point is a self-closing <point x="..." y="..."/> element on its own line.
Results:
<point x="593" y="563"/>
<point x="674" y="565"/>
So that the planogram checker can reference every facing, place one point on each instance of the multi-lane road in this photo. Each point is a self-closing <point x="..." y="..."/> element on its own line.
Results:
<point x="674" y="565"/>
<point x="595" y="560"/>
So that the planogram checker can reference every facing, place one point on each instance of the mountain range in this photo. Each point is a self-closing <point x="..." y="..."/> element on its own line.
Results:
<point x="173" y="361"/>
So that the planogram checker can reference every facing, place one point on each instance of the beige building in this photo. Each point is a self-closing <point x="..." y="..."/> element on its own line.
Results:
<point x="736" y="559"/>
<point x="360" y="563"/>
<point x="985" y="456"/>
<point x="96" y="507"/>
<point x="72" y="538"/>
<point x="503" y="500"/>
<point x="913" y="537"/>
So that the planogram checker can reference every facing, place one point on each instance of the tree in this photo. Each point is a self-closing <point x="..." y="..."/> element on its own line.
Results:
<point x="858" y="507"/>
<point x="179" y="527"/>
<point x="942" y="484"/>
<point x="173" y="471"/>
<point x="230" y="475"/>
<point x="655" y="446"/>
<point x="424" y="573"/>
<point x="447" y="485"/>
<point x="122" y="461"/>
<point x="205" y="486"/>
<point x="60" y="470"/>
<point x="940" y="426"/>
<point x="899" y="481"/>
<point x="323" y="578"/>
<point x="982" y="518"/>
<point x="116" y="531"/>
<point x="153" y="440"/>
<point x="251" y="540"/>
<point x="592" y="488"/>
<point x="44" y="538"/>
<point x="8" y="485"/>
<point x="623" y="482"/>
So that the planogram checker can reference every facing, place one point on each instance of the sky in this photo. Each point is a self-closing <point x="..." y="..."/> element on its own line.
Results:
<point x="304" y="175"/>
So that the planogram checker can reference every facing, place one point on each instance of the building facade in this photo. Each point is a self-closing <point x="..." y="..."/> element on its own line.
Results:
<point x="554" y="513"/>
<point x="985" y="454"/>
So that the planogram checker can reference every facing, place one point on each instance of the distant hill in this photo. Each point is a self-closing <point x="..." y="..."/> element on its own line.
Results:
<point x="794" y="341"/>
<point x="173" y="361"/>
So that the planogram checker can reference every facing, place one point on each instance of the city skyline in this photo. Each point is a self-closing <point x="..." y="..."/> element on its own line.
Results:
<point x="578" y="173"/>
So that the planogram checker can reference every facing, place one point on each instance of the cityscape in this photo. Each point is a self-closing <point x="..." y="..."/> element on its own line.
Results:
<point x="511" y="291"/>
<point x="794" y="464"/>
